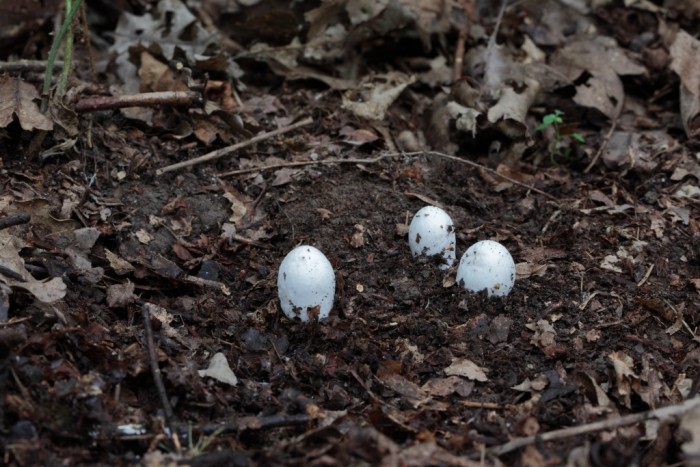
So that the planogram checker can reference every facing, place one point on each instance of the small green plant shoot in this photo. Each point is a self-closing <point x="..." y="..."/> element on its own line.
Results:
<point x="560" y="146"/>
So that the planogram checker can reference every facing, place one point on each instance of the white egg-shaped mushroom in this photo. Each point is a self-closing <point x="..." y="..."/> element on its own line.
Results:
<point x="487" y="265"/>
<point x="306" y="284"/>
<point x="432" y="232"/>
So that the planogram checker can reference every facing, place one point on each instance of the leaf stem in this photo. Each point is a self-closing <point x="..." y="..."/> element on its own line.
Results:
<point x="65" y="27"/>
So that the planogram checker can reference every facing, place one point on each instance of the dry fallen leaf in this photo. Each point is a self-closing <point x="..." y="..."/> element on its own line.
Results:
<point x="220" y="370"/>
<point x="171" y="27"/>
<point x="468" y="369"/>
<point x="684" y="51"/>
<point x="17" y="98"/>
<point x="45" y="291"/>
<point x="377" y="94"/>
<point x="119" y="265"/>
<point x="441" y="387"/>
<point x="525" y="270"/>
<point x="606" y="61"/>
<point x="120" y="295"/>
<point x="624" y="375"/>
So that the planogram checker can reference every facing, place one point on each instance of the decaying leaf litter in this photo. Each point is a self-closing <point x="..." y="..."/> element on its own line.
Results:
<point x="145" y="214"/>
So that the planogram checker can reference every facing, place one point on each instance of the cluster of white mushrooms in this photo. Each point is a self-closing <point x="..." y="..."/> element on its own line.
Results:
<point x="306" y="280"/>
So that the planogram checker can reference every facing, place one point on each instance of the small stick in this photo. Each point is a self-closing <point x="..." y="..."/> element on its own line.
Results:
<point x="229" y="149"/>
<point x="256" y="423"/>
<point x="12" y="322"/>
<point x="147" y="99"/>
<point x="585" y="303"/>
<point x="208" y="284"/>
<point x="26" y="65"/>
<point x="664" y="412"/>
<point x="155" y="369"/>
<point x="459" y="53"/>
<point x="491" y="171"/>
<point x="303" y="163"/>
<point x="646" y="276"/>
<point x="601" y="148"/>
<point x="15" y="219"/>
<point x="483" y="405"/>
<point x="469" y="15"/>
<point x="4" y="270"/>
<point x="386" y="156"/>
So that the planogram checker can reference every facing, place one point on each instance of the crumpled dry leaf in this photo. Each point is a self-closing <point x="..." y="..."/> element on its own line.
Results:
<point x="514" y="83"/>
<point x="156" y="76"/>
<point x="372" y="20"/>
<point x="282" y="177"/>
<point x="78" y="257"/>
<point x="119" y="265"/>
<point x="238" y="207"/>
<point x="40" y="210"/>
<point x="525" y="270"/>
<point x="45" y="291"/>
<point x="17" y="98"/>
<point x="592" y="390"/>
<point x="545" y="337"/>
<point x="120" y="295"/>
<point x="165" y="318"/>
<point x="637" y="150"/>
<point x="464" y="117"/>
<point x="606" y="62"/>
<point x="624" y="375"/>
<point x="171" y="27"/>
<point x="685" y="51"/>
<point x="690" y="422"/>
<point x="545" y="334"/>
<point x="535" y="385"/>
<point x="441" y="387"/>
<point x="556" y="20"/>
<point x="377" y="94"/>
<point x="77" y="247"/>
<point x="468" y="369"/>
<point x="414" y="394"/>
<point x="219" y="370"/>
<point x="512" y="108"/>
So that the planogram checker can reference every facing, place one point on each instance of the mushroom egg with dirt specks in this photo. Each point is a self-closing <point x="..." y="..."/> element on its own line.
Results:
<point x="432" y="232"/>
<point x="306" y="284"/>
<point x="487" y="265"/>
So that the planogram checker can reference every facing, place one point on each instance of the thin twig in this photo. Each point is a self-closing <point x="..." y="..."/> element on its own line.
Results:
<point x="646" y="276"/>
<point x="303" y="163"/>
<point x="26" y="65"/>
<point x="221" y="287"/>
<point x="147" y="99"/>
<point x="88" y="42"/>
<point x="491" y="171"/>
<point x="611" y="423"/>
<point x="459" y="53"/>
<point x="256" y="423"/>
<point x="588" y="299"/>
<point x="484" y="405"/>
<point x="229" y="149"/>
<point x="15" y="219"/>
<point x="386" y="156"/>
<point x="155" y="369"/>
<point x="5" y="271"/>
<point x="602" y="147"/>
<point x="469" y="15"/>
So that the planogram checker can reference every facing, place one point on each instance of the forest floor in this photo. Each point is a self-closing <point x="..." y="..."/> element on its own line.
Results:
<point x="566" y="133"/>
